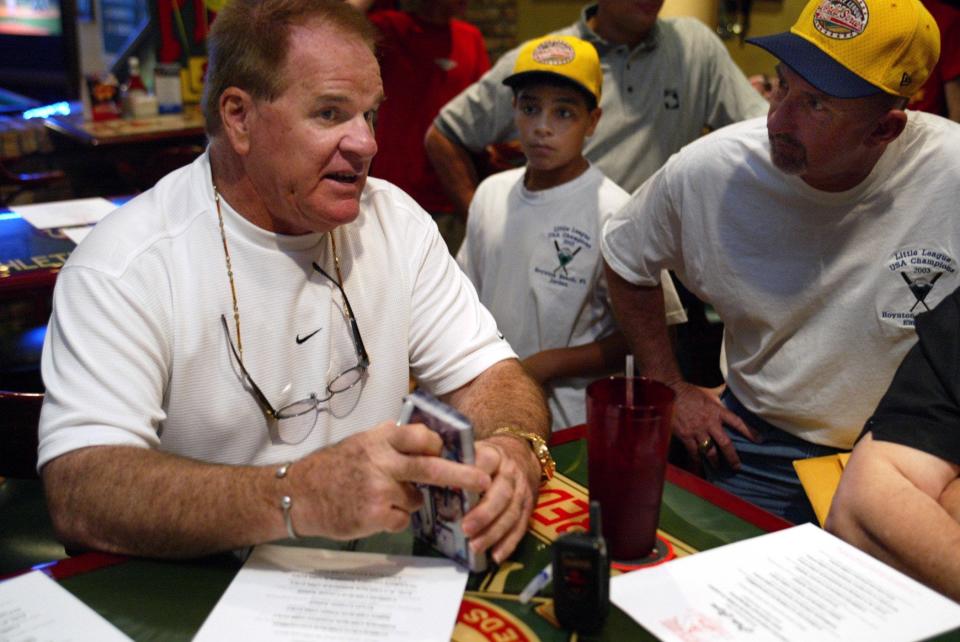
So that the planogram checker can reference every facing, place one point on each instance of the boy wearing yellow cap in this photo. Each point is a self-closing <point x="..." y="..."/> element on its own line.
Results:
<point x="532" y="244"/>
<point x="818" y="234"/>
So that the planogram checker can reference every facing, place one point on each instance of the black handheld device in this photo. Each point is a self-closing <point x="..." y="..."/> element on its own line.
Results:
<point x="581" y="578"/>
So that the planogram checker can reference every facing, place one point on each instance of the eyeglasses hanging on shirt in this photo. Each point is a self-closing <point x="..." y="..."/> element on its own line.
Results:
<point x="290" y="426"/>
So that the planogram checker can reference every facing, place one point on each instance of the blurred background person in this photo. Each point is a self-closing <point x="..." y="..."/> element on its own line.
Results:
<point x="941" y="93"/>
<point x="665" y="80"/>
<point x="427" y="56"/>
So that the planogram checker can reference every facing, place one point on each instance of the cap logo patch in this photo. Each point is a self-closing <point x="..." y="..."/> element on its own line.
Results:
<point x="841" y="19"/>
<point x="553" y="52"/>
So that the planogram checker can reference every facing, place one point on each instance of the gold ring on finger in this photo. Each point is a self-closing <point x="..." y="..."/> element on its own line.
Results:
<point x="705" y="445"/>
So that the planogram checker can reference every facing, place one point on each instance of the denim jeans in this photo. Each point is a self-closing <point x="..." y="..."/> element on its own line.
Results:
<point x="766" y="476"/>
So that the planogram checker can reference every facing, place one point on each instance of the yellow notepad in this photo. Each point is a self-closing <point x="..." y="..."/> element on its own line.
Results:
<point x="820" y="477"/>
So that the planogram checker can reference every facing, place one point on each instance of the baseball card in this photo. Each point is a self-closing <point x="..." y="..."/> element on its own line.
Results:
<point x="438" y="521"/>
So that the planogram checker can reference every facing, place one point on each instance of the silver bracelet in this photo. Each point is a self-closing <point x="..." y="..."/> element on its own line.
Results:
<point x="286" y="502"/>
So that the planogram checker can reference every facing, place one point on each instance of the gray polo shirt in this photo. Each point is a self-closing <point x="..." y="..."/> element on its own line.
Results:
<point x="657" y="97"/>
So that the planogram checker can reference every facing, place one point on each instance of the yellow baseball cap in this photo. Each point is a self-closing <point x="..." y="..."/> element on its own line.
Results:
<point x="565" y="56"/>
<point x="856" y="48"/>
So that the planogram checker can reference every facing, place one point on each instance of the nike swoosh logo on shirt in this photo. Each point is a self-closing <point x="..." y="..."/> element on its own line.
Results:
<point x="304" y="339"/>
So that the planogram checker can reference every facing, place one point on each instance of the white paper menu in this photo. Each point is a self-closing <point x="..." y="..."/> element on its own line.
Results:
<point x="799" y="584"/>
<point x="34" y="608"/>
<point x="286" y="593"/>
<point x="73" y="213"/>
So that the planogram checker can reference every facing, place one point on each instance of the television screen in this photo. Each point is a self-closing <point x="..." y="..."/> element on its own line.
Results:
<point x="38" y="49"/>
<point x="30" y="18"/>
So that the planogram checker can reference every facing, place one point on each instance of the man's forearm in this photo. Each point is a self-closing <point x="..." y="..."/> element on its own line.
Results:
<point x="142" y="502"/>
<point x="879" y="510"/>
<point x="503" y="395"/>
<point x="950" y="499"/>
<point x="590" y="359"/>
<point x="928" y="550"/>
<point x="640" y="314"/>
<point x="454" y="166"/>
<point x="136" y="501"/>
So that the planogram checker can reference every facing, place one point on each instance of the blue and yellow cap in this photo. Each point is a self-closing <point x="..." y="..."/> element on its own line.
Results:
<point x="857" y="48"/>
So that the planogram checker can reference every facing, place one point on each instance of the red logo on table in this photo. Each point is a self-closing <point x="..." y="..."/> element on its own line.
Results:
<point x="483" y="621"/>
<point x="562" y="507"/>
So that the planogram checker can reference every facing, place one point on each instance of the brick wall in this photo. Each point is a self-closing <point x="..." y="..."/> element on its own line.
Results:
<point x="497" y="20"/>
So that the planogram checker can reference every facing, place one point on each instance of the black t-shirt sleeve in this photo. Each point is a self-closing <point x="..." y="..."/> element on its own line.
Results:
<point x="921" y="409"/>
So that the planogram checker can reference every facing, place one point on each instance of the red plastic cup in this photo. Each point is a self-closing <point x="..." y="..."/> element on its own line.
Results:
<point x="627" y="459"/>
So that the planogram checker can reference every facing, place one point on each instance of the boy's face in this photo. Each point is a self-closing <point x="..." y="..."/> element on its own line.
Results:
<point x="553" y="121"/>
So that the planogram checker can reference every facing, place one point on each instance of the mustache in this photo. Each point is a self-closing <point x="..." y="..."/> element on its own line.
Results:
<point x="785" y="139"/>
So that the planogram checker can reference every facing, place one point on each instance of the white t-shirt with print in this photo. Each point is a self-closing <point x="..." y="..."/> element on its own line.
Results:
<point x="534" y="257"/>
<point x="817" y="291"/>
<point x="136" y="353"/>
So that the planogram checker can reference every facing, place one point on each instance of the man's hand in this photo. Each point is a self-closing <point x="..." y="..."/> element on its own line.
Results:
<point x="499" y="521"/>
<point x="365" y="484"/>
<point x="503" y="395"/>
<point x="698" y="418"/>
<point x="698" y="413"/>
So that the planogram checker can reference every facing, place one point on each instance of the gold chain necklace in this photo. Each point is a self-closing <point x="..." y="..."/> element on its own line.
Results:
<point x="233" y="286"/>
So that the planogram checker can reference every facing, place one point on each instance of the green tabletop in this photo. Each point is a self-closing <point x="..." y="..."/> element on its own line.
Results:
<point x="160" y="600"/>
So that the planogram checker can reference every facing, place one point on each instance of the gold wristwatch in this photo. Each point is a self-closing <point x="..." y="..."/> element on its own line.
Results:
<point x="537" y="445"/>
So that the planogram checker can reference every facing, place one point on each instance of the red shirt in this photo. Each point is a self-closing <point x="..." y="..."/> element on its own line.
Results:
<point x="930" y="97"/>
<point x="423" y="66"/>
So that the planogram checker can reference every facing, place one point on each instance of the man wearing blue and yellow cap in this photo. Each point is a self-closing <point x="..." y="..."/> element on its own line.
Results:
<point x="817" y="234"/>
